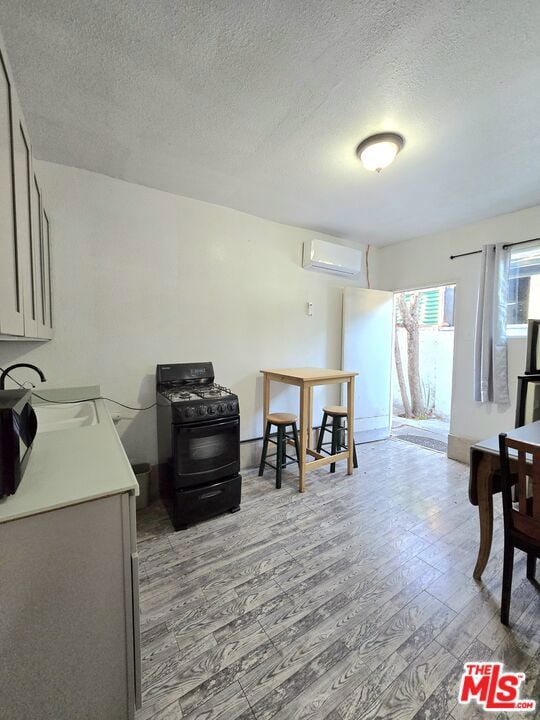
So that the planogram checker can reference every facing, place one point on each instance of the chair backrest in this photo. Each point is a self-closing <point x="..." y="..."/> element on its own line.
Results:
<point x="521" y="468"/>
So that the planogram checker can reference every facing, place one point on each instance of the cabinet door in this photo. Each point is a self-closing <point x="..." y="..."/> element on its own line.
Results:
<point x="47" y="280"/>
<point x="39" y="258"/>
<point x="23" y="201"/>
<point x="11" y="301"/>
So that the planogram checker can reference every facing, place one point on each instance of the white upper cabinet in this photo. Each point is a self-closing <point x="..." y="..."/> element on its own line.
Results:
<point x="11" y="301"/>
<point x="48" y="323"/>
<point x="25" y="228"/>
<point x="23" y="200"/>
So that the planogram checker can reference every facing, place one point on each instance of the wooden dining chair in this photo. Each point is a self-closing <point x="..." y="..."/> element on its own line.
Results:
<point x="521" y="523"/>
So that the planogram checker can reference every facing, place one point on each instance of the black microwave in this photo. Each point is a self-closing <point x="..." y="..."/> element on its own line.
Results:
<point x="18" y="427"/>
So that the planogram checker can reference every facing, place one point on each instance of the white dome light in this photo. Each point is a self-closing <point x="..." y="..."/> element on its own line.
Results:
<point x="378" y="151"/>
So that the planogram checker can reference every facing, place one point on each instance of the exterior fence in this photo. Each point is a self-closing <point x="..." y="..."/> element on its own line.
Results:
<point x="436" y="360"/>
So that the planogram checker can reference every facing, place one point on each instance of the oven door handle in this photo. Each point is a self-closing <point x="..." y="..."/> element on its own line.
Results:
<point x="201" y="428"/>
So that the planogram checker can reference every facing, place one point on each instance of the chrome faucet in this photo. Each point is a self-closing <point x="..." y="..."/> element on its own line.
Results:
<point x="6" y="372"/>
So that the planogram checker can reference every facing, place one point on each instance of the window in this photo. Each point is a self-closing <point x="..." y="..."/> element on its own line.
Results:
<point x="523" y="289"/>
<point x="435" y="306"/>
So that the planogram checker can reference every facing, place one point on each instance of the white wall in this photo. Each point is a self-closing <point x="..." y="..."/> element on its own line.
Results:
<point x="436" y="359"/>
<point x="144" y="277"/>
<point x="425" y="262"/>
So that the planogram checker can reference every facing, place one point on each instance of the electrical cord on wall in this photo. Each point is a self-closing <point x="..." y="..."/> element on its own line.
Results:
<point x="74" y="402"/>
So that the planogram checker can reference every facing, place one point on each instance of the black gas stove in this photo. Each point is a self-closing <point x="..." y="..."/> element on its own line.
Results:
<point x="198" y="443"/>
<point x="201" y="402"/>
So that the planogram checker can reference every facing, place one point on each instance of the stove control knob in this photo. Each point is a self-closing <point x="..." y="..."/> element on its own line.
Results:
<point x="231" y="407"/>
<point x="189" y="412"/>
<point x="201" y="410"/>
<point x="211" y="409"/>
<point x="221" y="408"/>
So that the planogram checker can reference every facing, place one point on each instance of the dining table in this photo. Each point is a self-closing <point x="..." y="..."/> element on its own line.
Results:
<point x="485" y="482"/>
<point x="307" y="378"/>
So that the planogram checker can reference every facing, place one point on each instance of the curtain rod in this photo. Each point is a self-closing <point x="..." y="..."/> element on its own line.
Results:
<point x="476" y="252"/>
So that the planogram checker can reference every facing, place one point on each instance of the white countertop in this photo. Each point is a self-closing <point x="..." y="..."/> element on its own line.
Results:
<point x="68" y="467"/>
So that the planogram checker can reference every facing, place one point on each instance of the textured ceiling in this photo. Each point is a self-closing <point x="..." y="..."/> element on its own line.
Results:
<point x="259" y="104"/>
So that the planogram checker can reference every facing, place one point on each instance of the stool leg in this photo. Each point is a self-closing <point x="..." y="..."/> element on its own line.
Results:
<point x="279" y="455"/>
<point x="296" y="442"/>
<point x="335" y="439"/>
<point x="321" y="432"/>
<point x="264" y="448"/>
<point x="341" y="436"/>
<point x="284" y="448"/>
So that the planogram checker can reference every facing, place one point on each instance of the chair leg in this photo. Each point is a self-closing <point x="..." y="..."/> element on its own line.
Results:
<point x="508" y="570"/>
<point x="296" y="442"/>
<point x="336" y="427"/>
<point x="531" y="566"/>
<point x="264" y="448"/>
<point x="321" y="432"/>
<point x="279" y="455"/>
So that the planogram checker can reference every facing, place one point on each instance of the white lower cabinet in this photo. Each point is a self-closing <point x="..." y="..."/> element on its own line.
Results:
<point x="69" y="620"/>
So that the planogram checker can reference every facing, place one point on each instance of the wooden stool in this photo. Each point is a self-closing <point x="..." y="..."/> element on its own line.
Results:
<point x="281" y="421"/>
<point x="336" y="412"/>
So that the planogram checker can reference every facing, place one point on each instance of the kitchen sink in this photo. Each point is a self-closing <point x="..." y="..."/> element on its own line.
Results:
<point x="65" y="416"/>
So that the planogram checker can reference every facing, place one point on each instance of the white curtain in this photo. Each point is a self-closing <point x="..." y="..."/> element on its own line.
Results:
<point x="490" y="356"/>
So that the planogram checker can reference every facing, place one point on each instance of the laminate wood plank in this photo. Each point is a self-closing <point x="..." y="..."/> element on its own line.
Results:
<point x="171" y="712"/>
<point x="214" y="669"/>
<point x="158" y="643"/>
<point x="232" y="671"/>
<point x="203" y="565"/>
<point x="396" y="631"/>
<point x="531" y="686"/>
<point x="164" y="583"/>
<point x="169" y="604"/>
<point x="365" y="694"/>
<point x="467" y="624"/>
<point x="455" y="589"/>
<point x="237" y="575"/>
<point x="426" y="633"/>
<point x="158" y="668"/>
<point x="227" y="617"/>
<point x="320" y="697"/>
<point x="407" y="693"/>
<point x="281" y="696"/>
<point x="276" y="603"/>
<point x="229" y="704"/>
<point x="525" y="608"/>
<point x="150" y="551"/>
<point x="443" y="700"/>
<point x="285" y="671"/>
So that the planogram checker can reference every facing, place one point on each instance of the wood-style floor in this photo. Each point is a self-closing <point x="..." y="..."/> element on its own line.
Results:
<point x="353" y="601"/>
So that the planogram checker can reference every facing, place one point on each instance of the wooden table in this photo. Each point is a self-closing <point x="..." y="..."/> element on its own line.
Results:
<point x="484" y="482"/>
<point x="306" y="379"/>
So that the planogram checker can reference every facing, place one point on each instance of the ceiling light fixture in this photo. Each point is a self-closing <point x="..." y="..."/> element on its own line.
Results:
<point x="378" y="151"/>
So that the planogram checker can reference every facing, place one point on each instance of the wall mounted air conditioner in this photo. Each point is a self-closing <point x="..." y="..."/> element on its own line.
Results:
<point x="329" y="257"/>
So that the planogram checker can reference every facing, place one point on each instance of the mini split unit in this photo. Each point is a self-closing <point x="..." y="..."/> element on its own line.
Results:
<point x="331" y="258"/>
